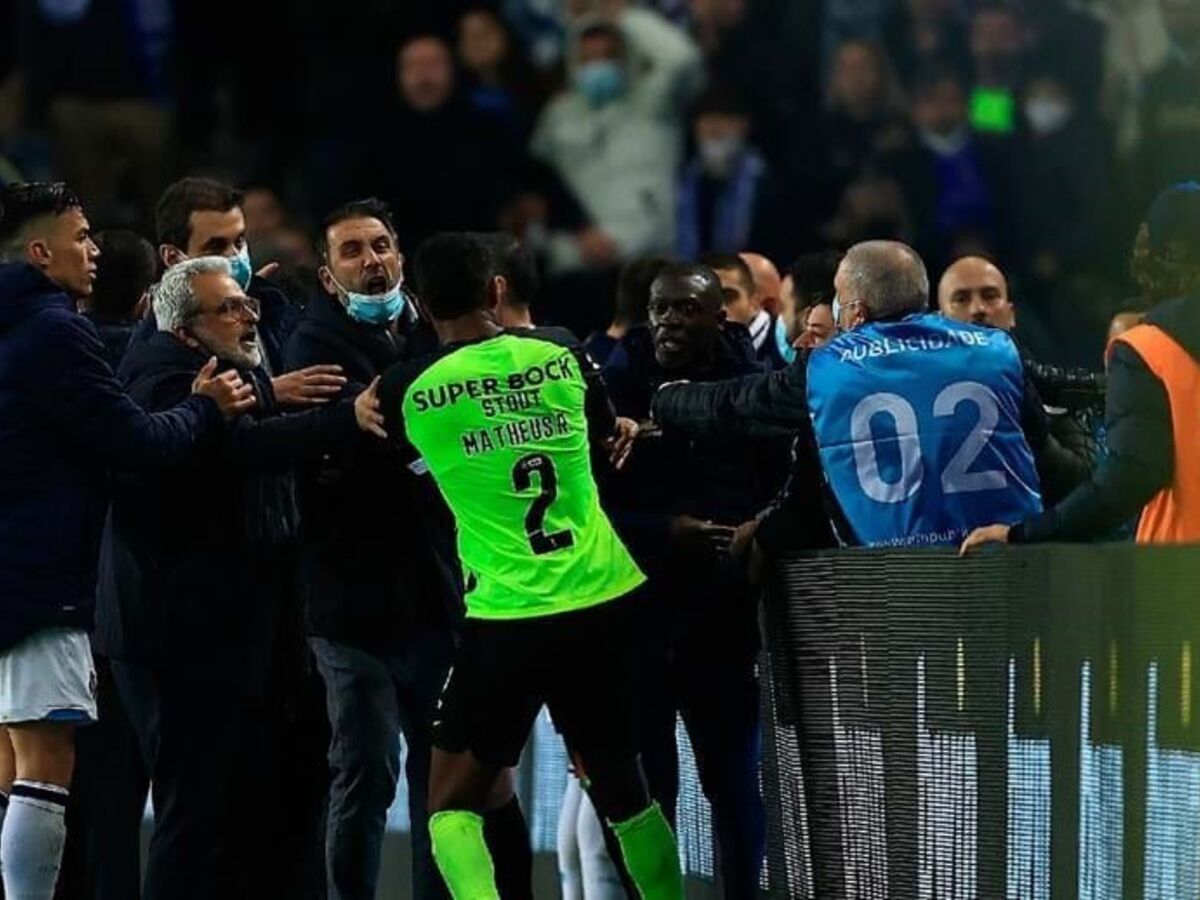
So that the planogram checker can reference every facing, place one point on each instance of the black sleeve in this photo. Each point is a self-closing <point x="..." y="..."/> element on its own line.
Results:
<point x="800" y="517"/>
<point x="1060" y="468"/>
<point x="601" y="417"/>
<point x="281" y="442"/>
<point x="392" y="387"/>
<point x="1140" y="463"/>
<point x="83" y="398"/>
<point x="760" y="405"/>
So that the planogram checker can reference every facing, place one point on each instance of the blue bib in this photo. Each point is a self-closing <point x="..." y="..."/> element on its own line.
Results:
<point x="919" y="426"/>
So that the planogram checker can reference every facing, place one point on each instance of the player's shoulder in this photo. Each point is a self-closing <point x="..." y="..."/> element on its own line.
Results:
<point x="559" y="339"/>
<point x="400" y="376"/>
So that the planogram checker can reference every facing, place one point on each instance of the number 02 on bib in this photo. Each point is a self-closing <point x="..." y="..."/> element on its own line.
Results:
<point x="918" y="422"/>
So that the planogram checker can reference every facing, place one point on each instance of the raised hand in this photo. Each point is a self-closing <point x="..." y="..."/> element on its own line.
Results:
<point x="232" y="395"/>
<point x="308" y="387"/>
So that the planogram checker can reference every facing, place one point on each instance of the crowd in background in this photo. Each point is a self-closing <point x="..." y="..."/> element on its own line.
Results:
<point x="598" y="131"/>
<point x="1014" y="146"/>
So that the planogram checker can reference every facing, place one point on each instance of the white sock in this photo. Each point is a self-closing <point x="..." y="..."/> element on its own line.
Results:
<point x="31" y="842"/>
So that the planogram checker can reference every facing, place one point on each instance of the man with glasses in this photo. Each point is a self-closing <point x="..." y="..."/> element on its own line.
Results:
<point x="65" y="424"/>
<point x="196" y="578"/>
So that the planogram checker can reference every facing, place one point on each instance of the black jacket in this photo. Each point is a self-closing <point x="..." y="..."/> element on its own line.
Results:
<point x="1141" y="443"/>
<point x="776" y="404"/>
<point x="720" y="478"/>
<point x="196" y="567"/>
<point x="64" y="423"/>
<point x="377" y="558"/>
<point x="115" y="335"/>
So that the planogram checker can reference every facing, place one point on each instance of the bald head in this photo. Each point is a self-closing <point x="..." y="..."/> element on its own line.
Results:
<point x="974" y="290"/>
<point x="880" y="280"/>
<point x="686" y="312"/>
<point x="766" y="279"/>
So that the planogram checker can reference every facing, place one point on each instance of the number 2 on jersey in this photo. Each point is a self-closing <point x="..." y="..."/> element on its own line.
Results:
<point x="535" y="519"/>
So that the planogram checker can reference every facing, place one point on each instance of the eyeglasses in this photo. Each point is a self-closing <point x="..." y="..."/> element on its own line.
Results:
<point x="237" y="308"/>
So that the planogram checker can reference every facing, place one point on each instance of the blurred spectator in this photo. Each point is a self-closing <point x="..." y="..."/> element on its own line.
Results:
<point x="263" y="211"/>
<point x="440" y="163"/>
<point x="633" y="297"/>
<point x="954" y="182"/>
<point x="1066" y="154"/>
<point x="865" y="116"/>
<point x="1170" y="145"/>
<point x="97" y="72"/>
<point x="809" y="281"/>
<point x="873" y="207"/>
<point x="120" y="295"/>
<point x="819" y="327"/>
<point x="615" y="137"/>
<point x="766" y="279"/>
<point x="917" y="32"/>
<point x="998" y="38"/>
<point x="743" y="307"/>
<point x="499" y="79"/>
<point x="768" y="53"/>
<point x="729" y="198"/>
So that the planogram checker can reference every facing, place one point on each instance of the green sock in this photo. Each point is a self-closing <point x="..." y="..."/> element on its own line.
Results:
<point x="650" y="854"/>
<point x="462" y="855"/>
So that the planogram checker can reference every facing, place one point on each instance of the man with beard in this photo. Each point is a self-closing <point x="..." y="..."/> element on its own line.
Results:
<point x="678" y="506"/>
<point x="195" y="580"/>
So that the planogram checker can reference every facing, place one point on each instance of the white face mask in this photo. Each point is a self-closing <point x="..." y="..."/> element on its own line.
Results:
<point x="719" y="154"/>
<point x="1047" y="115"/>
<point x="946" y="144"/>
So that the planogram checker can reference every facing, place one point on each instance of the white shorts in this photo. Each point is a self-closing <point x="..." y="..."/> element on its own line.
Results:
<point x="49" y="676"/>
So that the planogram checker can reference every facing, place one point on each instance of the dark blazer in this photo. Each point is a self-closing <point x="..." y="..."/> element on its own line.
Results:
<point x="196" y="564"/>
<point x="64" y="423"/>
<point x="377" y="557"/>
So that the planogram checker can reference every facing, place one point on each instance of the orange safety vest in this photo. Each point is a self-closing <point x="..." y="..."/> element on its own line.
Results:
<point x="1173" y="515"/>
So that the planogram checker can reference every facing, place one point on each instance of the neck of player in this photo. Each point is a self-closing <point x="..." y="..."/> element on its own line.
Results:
<point x="474" y="326"/>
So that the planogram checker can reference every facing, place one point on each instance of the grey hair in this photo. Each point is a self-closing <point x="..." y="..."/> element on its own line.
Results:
<point x="175" y="301"/>
<point x="887" y="277"/>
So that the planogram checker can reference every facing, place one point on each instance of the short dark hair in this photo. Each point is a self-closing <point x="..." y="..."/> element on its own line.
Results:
<point x="25" y="202"/>
<point x="173" y="215"/>
<point x="720" y="100"/>
<point x="812" y="276"/>
<point x="633" y="288"/>
<point x="124" y="271"/>
<point x="686" y="270"/>
<point x="452" y="270"/>
<point x="722" y="262"/>
<point x="366" y="208"/>
<point x="934" y="73"/>
<point x="515" y="263"/>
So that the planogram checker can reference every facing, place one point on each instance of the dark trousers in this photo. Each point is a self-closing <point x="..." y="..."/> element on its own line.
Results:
<point x="236" y="810"/>
<point x="102" y="856"/>
<point x="372" y="699"/>
<point x="710" y="680"/>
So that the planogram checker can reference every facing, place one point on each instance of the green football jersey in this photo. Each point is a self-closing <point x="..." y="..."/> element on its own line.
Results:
<point x="502" y="426"/>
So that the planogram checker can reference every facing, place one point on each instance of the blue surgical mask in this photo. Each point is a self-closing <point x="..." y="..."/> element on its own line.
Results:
<point x="600" y="81"/>
<point x="240" y="267"/>
<point x="786" y="350"/>
<point x="375" y="309"/>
